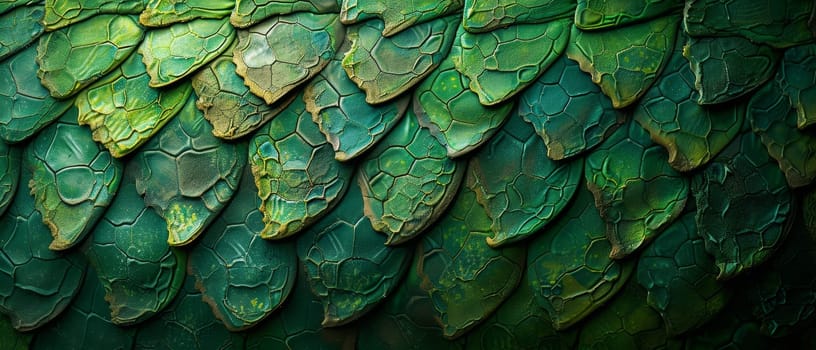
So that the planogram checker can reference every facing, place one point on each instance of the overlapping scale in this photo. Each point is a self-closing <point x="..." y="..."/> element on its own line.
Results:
<point x="120" y="121"/>
<point x="36" y="284"/>
<point x="227" y="103"/>
<point x="487" y="15"/>
<point x="297" y="176"/>
<point x="521" y="189"/>
<point x="635" y="189"/>
<point x="250" y="12"/>
<point x="570" y="271"/>
<point x="160" y="13"/>
<point x="10" y="162"/>
<point x="466" y="279"/>
<point x="173" y="53"/>
<point x="339" y="107"/>
<point x="797" y="75"/>
<point x="27" y="105"/>
<point x="281" y="53"/>
<point x="63" y="13"/>
<point x="504" y="61"/>
<point x="20" y="27"/>
<point x="407" y="181"/>
<point x="604" y="14"/>
<point x="74" y="57"/>
<point x="386" y="67"/>
<point x="243" y="277"/>
<point x="348" y="266"/>
<point x="692" y="134"/>
<point x="128" y="249"/>
<point x="568" y="111"/>
<point x="397" y="14"/>
<point x="743" y="204"/>
<point x="625" y="61"/>
<point x="74" y="179"/>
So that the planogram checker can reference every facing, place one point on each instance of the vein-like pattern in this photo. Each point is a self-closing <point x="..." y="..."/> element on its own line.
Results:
<point x="241" y="276"/>
<point x="20" y="27"/>
<point x="407" y="181"/>
<point x="228" y="104"/>
<point x="693" y="134"/>
<point x="186" y="324"/>
<point x="773" y="118"/>
<point x="339" y="108"/>
<point x="27" y="106"/>
<point x="85" y="324"/>
<point x="36" y="284"/>
<point x="188" y="175"/>
<point x="681" y="278"/>
<point x="568" y="111"/>
<point x="625" y="61"/>
<point x="603" y="14"/>
<point x="571" y="273"/>
<point x="779" y="23"/>
<point x="520" y="189"/>
<point x="250" y="12"/>
<point x="10" y="162"/>
<point x="445" y="105"/>
<point x="397" y="15"/>
<point x="123" y="121"/>
<point x="635" y="189"/>
<point x="487" y="15"/>
<point x="8" y="5"/>
<point x="520" y="323"/>
<point x="281" y="53"/>
<point x="160" y="13"/>
<point x="727" y="68"/>
<point x="386" y="67"/>
<point x="797" y="75"/>
<point x="63" y="13"/>
<point x="74" y="57"/>
<point x="503" y="62"/>
<point x="141" y="274"/>
<point x="626" y="323"/>
<point x="348" y="266"/>
<point x="297" y="176"/>
<point x="298" y="325"/>
<point x="173" y="53"/>
<point x="743" y="203"/>
<point x="466" y="279"/>
<point x="74" y="179"/>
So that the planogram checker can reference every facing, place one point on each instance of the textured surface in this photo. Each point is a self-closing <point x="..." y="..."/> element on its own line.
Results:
<point x="37" y="283"/>
<point x="407" y="181"/>
<point x="249" y="12"/>
<point x="20" y="27"/>
<point x="603" y="14"/>
<point x="798" y="77"/>
<point x="339" y="108"/>
<point x="74" y="179"/>
<point x="188" y="175"/>
<point x="10" y="162"/>
<point x="297" y="176"/>
<point x="172" y="53"/>
<point x="243" y="277"/>
<point x="27" y="105"/>
<point x="73" y="58"/>
<point x="636" y="191"/>
<point x="486" y="15"/>
<point x="519" y="188"/>
<point x="123" y="122"/>
<point x="504" y="61"/>
<point x="62" y="13"/>
<point x="742" y="179"/>
<point x="569" y="267"/>
<point x="625" y="61"/>
<point x="348" y="266"/>
<point x="387" y="67"/>
<point x="227" y="103"/>
<point x="567" y="110"/>
<point x="396" y="14"/>
<point x="692" y="133"/>
<point x="279" y="54"/>
<point x="680" y="278"/>
<point x="159" y="13"/>
<point x="141" y="274"/>
<point x="445" y="105"/>
<point x="466" y="279"/>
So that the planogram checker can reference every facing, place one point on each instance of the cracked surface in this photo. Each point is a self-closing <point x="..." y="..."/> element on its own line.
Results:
<point x="160" y="13"/>
<point x="20" y="27"/>
<point x="348" y="266"/>
<point x="603" y="14"/>
<point x="250" y="12"/>
<point x="74" y="179"/>
<point x="63" y="13"/>
<point x="797" y="76"/>
<point x="487" y="15"/>
<point x="397" y="14"/>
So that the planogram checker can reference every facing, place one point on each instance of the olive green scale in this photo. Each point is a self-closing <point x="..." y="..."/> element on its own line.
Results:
<point x="397" y="15"/>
